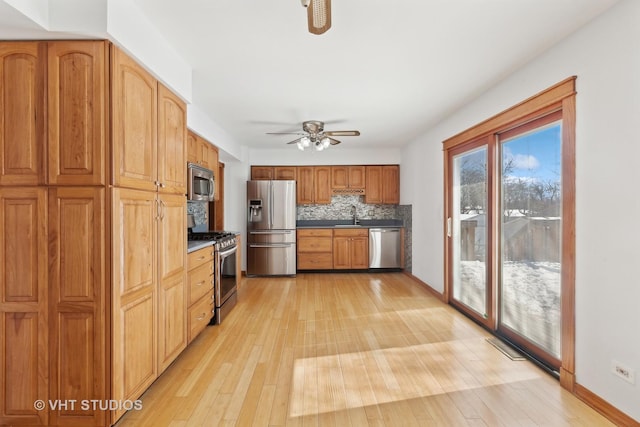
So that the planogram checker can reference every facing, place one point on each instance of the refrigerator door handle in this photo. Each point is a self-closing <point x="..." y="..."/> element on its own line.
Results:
<point x="270" y="204"/>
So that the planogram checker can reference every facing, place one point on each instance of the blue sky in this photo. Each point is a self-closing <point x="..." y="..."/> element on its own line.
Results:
<point x="536" y="155"/>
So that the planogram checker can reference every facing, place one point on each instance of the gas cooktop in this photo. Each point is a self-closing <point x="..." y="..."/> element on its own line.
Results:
<point x="221" y="239"/>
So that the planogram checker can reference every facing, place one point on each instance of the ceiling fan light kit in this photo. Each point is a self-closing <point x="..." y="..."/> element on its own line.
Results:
<point x="318" y="15"/>
<point x="315" y="136"/>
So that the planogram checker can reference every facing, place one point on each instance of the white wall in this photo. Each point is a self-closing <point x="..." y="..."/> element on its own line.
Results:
<point x="338" y="155"/>
<point x="605" y="55"/>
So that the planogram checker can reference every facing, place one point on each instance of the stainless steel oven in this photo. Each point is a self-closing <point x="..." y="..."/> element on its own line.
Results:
<point x="226" y="280"/>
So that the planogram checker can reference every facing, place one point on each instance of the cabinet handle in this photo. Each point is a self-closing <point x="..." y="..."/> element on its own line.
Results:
<point x="201" y="316"/>
<point x="200" y="283"/>
<point x="201" y="258"/>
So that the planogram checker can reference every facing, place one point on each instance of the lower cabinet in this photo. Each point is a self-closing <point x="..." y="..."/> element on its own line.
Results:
<point x="315" y="249"/>
<point x="200" y="291"/>
<point x="351" y="249"/>
<point x="333" y="249"/>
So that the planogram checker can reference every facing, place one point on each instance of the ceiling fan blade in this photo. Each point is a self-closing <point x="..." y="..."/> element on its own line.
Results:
<point x="343" y="133"/>
<point x="334" y="141"/>
<point x="295" y="141"/>
<point x="319" y="16"/>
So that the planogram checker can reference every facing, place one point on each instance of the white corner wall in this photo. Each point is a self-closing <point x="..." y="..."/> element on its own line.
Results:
<point x="605" y="55"/>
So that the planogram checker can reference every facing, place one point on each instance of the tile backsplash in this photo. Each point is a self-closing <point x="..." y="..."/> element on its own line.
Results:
<point x="340" y="208"/>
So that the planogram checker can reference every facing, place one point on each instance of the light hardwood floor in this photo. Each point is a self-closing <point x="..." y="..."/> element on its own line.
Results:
<point x="351" y="350"/>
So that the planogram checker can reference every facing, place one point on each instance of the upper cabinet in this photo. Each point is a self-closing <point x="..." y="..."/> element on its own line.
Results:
<point x="134" y="118"/>
<point x="22" y="125"/>
<point x="172" y="134"/>
<point x="77" y="79"/>
<point x="274" y="172"/>
<point x="203" y="153"/>
<point x="304" y="185"/>
<point x="382" y="184"/>
<point x="347" y="177"/>
<point x="322" y="187"/>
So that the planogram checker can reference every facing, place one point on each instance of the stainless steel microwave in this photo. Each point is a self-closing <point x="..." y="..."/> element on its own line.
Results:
<point x="200" y="183"/>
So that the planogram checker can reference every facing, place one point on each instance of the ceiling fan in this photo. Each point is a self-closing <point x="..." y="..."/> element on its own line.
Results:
<point x="315" y="136"/>
<point x="318" y="15"/>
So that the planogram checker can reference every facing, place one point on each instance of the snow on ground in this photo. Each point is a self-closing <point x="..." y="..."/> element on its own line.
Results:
<point x="531" y="298"/>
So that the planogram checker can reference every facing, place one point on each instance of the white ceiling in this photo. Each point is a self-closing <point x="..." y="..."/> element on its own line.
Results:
<point x="388" y="69"/>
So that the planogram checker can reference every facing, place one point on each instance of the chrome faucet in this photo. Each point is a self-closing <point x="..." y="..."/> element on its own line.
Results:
<point x="354" y="213"/>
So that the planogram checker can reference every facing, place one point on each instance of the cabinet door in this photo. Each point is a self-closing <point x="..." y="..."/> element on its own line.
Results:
<point x="172" y="148"/>
<point x="134" y="287"/>
<point x="391" y="184"/>
<point x="285" y="172"/>
<point x="23" y="305"/>
<point x="322" y="189"/>
<point x="203" y="153"/>
<point x="77" y="320"/>
<point x="192" y="147"/>
<point x="304" y="186"/>
<point x="262" y="172"/>
<point x="77" y="122"/>
<point x="215" y="167"/>
<point x="22" y="109"/>
<point x="373" y="189"/>
<point x="172" y="267"/>
<point x="341" y="253"/>
<point x="134" y="118"/>
<point x="359" y="253"/>
<point x="356" y="176"/>
<point x="339" y="177"/>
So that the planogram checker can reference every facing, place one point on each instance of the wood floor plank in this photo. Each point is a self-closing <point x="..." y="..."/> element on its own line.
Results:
<point x="351" y="349"/>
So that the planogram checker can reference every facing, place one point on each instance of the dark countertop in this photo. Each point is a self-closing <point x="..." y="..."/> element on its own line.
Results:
<point x="342" y="223"/>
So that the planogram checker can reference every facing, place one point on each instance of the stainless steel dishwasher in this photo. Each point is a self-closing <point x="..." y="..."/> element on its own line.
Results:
<point x="385" y="248"/>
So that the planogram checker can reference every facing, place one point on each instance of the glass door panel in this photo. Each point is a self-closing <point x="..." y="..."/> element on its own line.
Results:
<point x="468" y="230"/>
<point x="530" y="238"/>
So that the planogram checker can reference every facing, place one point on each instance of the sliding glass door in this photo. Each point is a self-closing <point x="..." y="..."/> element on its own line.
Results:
<point x="504" y="228"/>
<point x="469" y="230"/>
<point x="530" y="262"/>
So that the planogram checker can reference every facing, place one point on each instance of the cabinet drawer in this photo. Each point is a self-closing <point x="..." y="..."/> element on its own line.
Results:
<point x="197" y="258"/>
<point x="200" y="315"/>
<point x="351" y="232"/>
<point x="315" y="244"/>
<point x="314" y="232"/>
<point x="200" y="282"/>
<point x="311" y="261"/>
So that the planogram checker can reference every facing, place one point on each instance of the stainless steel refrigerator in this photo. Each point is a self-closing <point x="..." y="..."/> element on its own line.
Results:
<point x="271" y="228"/>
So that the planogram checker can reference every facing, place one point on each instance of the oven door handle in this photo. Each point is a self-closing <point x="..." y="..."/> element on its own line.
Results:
<point x="228" y="252"/>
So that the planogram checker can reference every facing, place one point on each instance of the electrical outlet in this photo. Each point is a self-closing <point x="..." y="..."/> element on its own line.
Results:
<point x="623" y="371"/>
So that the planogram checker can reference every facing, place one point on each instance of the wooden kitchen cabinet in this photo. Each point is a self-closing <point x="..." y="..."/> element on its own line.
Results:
<point x="24" y="360"/>
<point x="347" y="177"/>
<point x="315" y="249"/>
<point x="172" y="284"/>
<point x="382" y="184"/>
<point x="200" y="291"/>
<point x="95" y="306"/>
<point x="22" y="106"/>
<point x="285" y="172"/>
<point x="78" y="329"/>
<point x="134" y="116"/>
<point x="201" y="152"/>
<point x="313" y="185"/>
<point x="172" y="147"/>
<point x="134" y="364"/>
<point x="305" y="185"/>
<point x="351" y="248"/>
<point x="262" y="172"/>
<point x="322" y="184"/>
<point x="77" y="91"/>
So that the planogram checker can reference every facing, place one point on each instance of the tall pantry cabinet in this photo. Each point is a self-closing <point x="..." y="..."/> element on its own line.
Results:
<point x="74" y="295"/>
